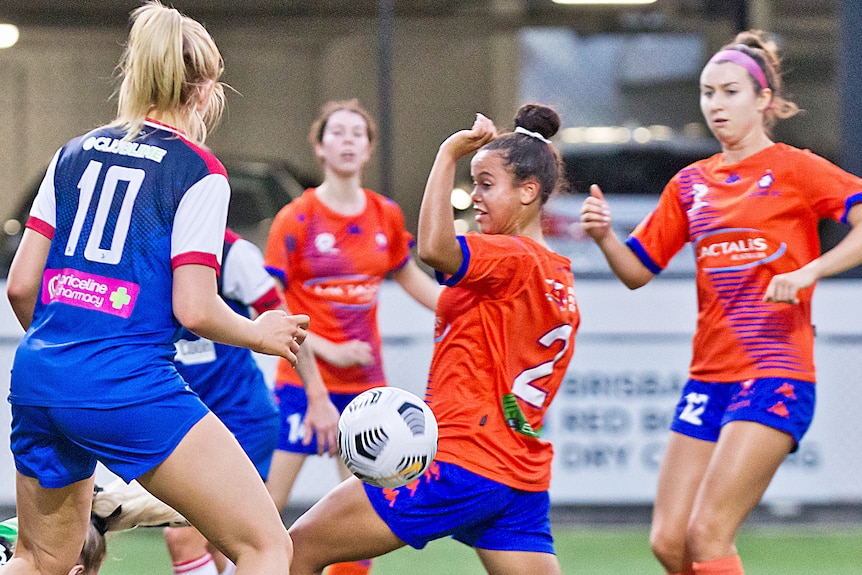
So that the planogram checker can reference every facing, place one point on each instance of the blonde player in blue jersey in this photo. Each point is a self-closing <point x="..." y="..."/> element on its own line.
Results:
<point x="123" y="246"/>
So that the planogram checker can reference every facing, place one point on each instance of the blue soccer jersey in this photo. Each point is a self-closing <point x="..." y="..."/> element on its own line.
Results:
<point x="121" y="217"/>
<point x="227" y="378"/>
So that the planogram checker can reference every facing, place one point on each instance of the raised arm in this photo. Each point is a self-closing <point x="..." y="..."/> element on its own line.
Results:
<point x="436" y="238"/>
<point x="418" y="284"/>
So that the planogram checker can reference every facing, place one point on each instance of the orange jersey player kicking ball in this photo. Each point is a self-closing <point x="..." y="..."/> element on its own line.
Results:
<point x="506" y="323"/>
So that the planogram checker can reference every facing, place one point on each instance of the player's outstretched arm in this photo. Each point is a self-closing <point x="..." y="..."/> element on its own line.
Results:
<point x="198" y="307"/>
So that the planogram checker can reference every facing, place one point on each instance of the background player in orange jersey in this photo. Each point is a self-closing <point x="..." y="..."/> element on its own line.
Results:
<point x="331" y="249"/>
<point x="504" y="336"/>
<point x="751" y="213"/>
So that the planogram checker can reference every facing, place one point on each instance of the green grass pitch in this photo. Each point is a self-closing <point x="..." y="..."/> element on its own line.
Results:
<point x="765" y="550"/>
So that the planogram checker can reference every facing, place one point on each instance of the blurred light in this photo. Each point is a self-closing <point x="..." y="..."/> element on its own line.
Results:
<point x="8" y="35"/>
<point x="572" y="135"/>
<point x="694" y="130"/>
<point x="603" y="1"/>
<point x="660" y="132"/>
<point x="462" y="226"/>
<point x="610" y="135"/>
<point x="11" y="227"/>
<point x="623" y="135"/>
<point x="641" y="135"/>
<point x="461" y="199"/>
<point x="600" y="134"/>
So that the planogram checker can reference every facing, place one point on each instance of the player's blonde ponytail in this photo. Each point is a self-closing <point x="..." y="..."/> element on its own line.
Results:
<point x="170" y="64"/>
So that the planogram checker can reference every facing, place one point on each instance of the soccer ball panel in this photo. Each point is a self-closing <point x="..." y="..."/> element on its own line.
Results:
<point x="387" y="436"/>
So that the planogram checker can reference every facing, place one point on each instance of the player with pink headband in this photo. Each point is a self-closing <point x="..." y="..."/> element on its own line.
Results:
<point x="740" y="57"/>
<point x="751" y="213"/>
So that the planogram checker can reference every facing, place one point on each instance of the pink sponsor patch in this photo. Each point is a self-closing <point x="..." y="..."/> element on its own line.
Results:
<point x="72" y="287"/>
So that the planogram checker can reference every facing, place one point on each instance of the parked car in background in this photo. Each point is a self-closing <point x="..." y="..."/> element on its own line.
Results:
<point x="259" y="188"/>
<point x="631" y="176"/>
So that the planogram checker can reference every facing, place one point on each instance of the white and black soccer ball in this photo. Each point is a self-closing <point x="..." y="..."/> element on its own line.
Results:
<point x="387" y="436"/>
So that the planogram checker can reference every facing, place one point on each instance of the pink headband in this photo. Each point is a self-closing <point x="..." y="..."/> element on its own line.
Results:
<point x="742" y="59"/>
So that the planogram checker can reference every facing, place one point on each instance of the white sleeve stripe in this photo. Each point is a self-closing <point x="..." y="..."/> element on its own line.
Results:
<point x="244" y="277"/>
<point x="201" y="218"/>
<point x="45" y="204"/>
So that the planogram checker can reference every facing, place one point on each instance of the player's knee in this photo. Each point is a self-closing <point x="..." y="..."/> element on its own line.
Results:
<point x="702" y="533"/>
<point x="668" y="545"/>
<point x="274" y="543"/>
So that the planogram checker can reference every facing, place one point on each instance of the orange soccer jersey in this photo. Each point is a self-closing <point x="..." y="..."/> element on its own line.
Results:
<point x="332" y="266"/>
<point x="748" y="222"/>
<point x="504" y="335"/>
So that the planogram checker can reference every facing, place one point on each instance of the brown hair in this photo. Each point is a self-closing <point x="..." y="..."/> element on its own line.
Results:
<point x="529" y="156"/>
<point x="764" y="52"/>
<point x="168" y="60"/>
<point x="315" y="134"/>
<point x="94" y="551"/>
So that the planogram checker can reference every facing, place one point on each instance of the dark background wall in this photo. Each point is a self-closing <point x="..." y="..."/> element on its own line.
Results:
<point x="449" y="60"/>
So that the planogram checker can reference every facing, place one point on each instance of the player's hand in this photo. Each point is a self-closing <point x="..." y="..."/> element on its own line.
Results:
<point x="321" y="418"/>
<point x="465" y="142"/>
<point x="281" y="334"/>
<point x="596" y="214"/>
<point x="349" y="353"/>
<point x="784" y="288"/>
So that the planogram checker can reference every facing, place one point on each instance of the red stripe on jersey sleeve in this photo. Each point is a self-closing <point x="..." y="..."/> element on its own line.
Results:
<point x="199" y="258"/>
<point x="270" y="300"/>
<point x="41" y="226"/>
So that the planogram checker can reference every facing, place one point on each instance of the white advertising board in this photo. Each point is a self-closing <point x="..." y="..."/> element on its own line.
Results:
<point x="609" y="420"/>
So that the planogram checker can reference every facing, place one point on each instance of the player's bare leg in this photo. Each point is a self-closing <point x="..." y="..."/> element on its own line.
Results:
<point x="746" y="458"/>
<point x="283" y="471"/>
<point x="342" y="526"/>
<point x="52" y="525"/>
<point x="682" y="469"/>
<point x="518" y="562"/>
<point x="241" y="519"/>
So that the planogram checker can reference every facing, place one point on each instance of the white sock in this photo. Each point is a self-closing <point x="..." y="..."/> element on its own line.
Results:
<point x="203" y="565"/>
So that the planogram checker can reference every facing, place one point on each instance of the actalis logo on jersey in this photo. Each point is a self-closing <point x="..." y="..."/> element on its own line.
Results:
<point x="732" y="249"/>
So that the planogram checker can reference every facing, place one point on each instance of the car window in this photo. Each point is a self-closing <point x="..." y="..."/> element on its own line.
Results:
<point x="628" y="170"/>
<point x="562" y="228"/>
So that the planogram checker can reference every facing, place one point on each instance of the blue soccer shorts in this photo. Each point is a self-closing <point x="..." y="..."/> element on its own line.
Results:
<point x="258" y="439"/>
<point x="449" y="501"/>
<point x="292" y="406"/>
<point x="60" y="445"/>
<point x="780" y="403"/>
